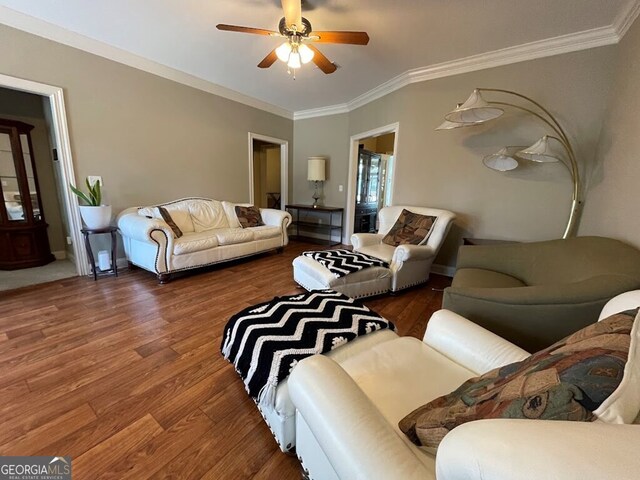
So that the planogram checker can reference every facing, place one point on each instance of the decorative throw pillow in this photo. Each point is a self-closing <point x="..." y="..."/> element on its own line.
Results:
<point x="249" y="216"/>
<point x="410" y="228"/>
<point x="566" y="381"/>
<point x="166" y="216"/>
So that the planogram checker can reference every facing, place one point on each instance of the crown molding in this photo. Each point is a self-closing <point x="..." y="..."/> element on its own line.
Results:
<point x="58" y="34"/>
<point x="626" y="18"/>
<point x="321" y="112"/>
<point x="573" y="42"/>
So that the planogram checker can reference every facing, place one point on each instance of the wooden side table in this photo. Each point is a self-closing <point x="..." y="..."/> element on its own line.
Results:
<point x="114" y="247"/>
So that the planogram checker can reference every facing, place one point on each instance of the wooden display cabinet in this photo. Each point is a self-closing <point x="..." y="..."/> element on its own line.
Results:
<point x="23" y="230"/>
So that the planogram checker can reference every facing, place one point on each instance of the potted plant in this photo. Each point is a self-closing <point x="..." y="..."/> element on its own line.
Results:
<point x="94" y="214"/>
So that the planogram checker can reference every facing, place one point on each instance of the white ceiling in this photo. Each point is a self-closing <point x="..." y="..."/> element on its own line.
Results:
<point x="405" y="34"/>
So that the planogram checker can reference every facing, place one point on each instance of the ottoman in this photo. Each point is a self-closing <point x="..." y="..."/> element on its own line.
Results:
<point x="264" y="340"/>
<point x="311" y="275"/>
<point x="282" y="418"/>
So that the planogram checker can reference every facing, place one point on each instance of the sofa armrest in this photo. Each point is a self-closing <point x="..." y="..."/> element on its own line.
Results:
<point x="534" y="449"/>
<point x="468" y="344"/>
<point x="139" y="228"/>
<point x="359" y="240"/>
<point x="149" y="230"/>
<point x="275" y="218"/>
<point x="355" y="437"/>
<point x="620" y="303"/>
<point x="404" y="253"/>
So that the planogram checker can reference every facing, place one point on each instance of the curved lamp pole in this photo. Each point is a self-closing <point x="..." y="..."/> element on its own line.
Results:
<point x="477" y="110"/>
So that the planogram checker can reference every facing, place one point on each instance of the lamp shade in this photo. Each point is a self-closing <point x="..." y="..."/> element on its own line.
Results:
<point x="294" y="60"/>
<point x="540" y="151"/>
<point x="447" y="125"/>
<point x="501" y="161"/>
<point x="283" y="52"/>
<point x="316" y="169"/>
<point x="475" y="110"/>
<point x="306" y="54"/>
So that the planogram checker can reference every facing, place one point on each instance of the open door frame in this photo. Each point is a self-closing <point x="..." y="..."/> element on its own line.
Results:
<point x="284" y="166"/>
<point x="63" y="147"/>
<point x="353" y="172"/>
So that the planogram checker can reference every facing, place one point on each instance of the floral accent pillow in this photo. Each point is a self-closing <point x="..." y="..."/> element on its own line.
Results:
<point x="249" y="216"/>
<point x="566" y="381"/>
<point x="410" y="228"/>
<point x="166" y="216"/>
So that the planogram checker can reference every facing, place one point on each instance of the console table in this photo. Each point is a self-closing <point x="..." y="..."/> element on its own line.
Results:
<point x="312" y="221"/>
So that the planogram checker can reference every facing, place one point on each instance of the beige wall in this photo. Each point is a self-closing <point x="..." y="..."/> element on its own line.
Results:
<point x="611" y="207"/>
<point x="321" y="137"/>
<point x="150" y="139"/>
<point x="445" y="170"/>
<point x="28" y="108"/>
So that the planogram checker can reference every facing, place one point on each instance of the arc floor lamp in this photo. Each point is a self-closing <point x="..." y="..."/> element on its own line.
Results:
<point x="477" y="110"/>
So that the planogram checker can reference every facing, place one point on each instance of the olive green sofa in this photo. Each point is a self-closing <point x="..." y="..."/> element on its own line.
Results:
<point x="534" y="294"/>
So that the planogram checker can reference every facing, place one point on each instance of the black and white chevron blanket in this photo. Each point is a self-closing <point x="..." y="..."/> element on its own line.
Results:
<point x="266" y="341"/>
<point x="342" y="262"/>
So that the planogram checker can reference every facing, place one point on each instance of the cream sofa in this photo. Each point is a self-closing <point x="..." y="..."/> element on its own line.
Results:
<point x="347" y="414"/>
<point x="211" y="234"/>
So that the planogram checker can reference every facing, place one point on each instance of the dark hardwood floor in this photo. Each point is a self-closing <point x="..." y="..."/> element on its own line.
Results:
<point x="126" y="377"/>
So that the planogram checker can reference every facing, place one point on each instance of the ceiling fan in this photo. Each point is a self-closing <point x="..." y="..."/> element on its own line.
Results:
<point x="297" y="48"/>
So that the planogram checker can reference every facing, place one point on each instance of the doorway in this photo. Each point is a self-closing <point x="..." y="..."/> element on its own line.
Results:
<point x="54" y="107"/>
<point x="268" y="177"/>
<point x="371" y="174"/>
<point x="36" y="247"/>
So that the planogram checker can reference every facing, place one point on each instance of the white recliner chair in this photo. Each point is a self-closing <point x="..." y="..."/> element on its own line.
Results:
<point x="347" y="415"/>
<point x="409" y="264"/>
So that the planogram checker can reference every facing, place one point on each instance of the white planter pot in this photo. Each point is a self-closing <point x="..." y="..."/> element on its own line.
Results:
<point x="96" y="218"/>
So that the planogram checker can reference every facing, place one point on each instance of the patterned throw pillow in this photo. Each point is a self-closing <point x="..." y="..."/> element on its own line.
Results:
<point x="166" y="216"/>
<point x="249" y="216"/>
<point x="410" y="228"/>
<point x="566" y="381"/>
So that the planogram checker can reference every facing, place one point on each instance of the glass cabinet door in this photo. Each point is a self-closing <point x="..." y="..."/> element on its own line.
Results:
<point x="12" y="199"/>
<point x="31" y="177"/>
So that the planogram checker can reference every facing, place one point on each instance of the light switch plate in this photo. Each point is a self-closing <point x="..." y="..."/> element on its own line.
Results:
<point x="95" y="178"/>
<point x="340" y="188"/>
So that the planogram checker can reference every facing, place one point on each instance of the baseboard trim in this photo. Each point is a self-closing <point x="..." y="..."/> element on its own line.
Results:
<point x="445" y="270"/>
<point x="60" y="254"/>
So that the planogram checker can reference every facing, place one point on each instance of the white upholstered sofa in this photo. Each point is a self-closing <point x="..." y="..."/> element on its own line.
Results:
<point x="409" y="264"/>
<point x="211" y="234"/>
<point x="347" y="414"/>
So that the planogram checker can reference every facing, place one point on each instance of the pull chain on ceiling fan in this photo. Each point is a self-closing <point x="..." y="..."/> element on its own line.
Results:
<point x="297" y="50"/>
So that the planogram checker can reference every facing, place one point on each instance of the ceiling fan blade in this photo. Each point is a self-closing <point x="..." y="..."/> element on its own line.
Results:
<point x="293" y="13"/>
<point x="236" y="28"/>
<point x="353" y="38"/>
<point x="321" y="61"/>
<point x="268" y="60"/>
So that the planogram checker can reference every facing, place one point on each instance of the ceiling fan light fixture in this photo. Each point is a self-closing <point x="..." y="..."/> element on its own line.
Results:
<point x="283" y="52"/>
<point x="294" y="60"/>
<point x="306" y="54"/>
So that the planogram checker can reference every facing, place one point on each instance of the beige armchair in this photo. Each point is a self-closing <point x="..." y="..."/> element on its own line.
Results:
<point x="409" y="264"/>
<point x="534" y="294"/>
